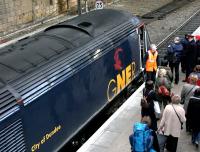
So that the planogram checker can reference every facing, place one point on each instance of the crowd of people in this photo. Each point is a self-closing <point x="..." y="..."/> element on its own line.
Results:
<point x="174" y="109"/>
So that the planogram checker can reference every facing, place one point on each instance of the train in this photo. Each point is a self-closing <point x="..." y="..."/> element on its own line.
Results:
<point x="54" y="82"/>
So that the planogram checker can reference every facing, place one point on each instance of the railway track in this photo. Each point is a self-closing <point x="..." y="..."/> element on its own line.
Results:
<point x="187" y="27"/>
<point x="161" y="12"/>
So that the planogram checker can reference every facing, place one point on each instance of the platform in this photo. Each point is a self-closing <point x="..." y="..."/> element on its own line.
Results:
<point x="113" y="135"/>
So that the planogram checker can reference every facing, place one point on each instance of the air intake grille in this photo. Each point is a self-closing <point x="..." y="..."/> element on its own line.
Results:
<point x="8" y="104"/>
<point x="12" y="138"/>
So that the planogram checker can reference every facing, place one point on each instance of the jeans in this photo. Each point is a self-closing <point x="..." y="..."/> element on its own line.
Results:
<point x="195" y="137"/>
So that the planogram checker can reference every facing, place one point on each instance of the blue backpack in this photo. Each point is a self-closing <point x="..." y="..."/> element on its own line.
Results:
<point x="142" y="139"/>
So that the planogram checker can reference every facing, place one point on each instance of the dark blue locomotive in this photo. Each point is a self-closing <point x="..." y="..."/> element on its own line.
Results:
<point x="53" y="83"/>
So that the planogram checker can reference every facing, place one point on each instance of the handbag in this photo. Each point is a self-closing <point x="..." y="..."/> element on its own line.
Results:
<point x="178" y="118"/>
<point x="157" y="109"/>
<point x="162" y="139"/>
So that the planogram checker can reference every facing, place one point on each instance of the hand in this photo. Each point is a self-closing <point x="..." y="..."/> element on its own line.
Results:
<point x="159" y="131"/>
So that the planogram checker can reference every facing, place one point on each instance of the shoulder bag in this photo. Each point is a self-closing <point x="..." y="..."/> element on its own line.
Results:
<point x="178" y="117"/>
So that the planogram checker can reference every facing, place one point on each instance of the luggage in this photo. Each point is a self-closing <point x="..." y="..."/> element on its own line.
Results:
<point x="162" y="139"/>
<point x="142" y="139"/>
<point x="157" y="110"/>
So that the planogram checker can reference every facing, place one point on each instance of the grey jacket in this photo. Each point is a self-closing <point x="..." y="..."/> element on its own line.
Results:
<point x="186" y="93"/>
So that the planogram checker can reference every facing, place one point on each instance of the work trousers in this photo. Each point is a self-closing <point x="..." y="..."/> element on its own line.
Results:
<point x="175" y="66"/>
<point x="151" y="75"/>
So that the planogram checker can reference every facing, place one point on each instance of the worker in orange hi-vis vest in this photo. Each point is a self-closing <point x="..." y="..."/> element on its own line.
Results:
<point x="152" y="62"/>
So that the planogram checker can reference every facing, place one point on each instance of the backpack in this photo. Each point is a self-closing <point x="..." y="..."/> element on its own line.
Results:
<point x="142" y="139"/>
<point x="162" y="90"/>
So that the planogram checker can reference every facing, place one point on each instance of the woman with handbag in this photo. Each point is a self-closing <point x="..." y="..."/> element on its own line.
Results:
<point x="172" y="123"/>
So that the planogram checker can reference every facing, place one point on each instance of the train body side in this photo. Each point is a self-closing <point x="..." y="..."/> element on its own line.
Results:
<point x="70" y="104"/>
<point x="49" y="120"/>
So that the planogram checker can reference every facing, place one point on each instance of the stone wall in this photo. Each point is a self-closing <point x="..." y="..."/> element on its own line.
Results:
<point x="15" y="14"/>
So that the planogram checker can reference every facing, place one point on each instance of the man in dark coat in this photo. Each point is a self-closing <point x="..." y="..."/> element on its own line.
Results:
<point x="175" y="53"/>
<point x="184" y="42"/>
<point x="193" y="113"/>
<point x="191" y="55"/>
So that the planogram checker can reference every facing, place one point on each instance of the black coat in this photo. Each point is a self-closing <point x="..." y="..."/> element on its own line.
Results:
<point x="193" y="113"/>
<point x="149" y="111"/>
<point x="185" y="43"/>
<point x="191" y="54"/>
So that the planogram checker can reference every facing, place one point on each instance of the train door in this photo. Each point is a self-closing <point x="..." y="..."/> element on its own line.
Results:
<point x="144" y="42"/>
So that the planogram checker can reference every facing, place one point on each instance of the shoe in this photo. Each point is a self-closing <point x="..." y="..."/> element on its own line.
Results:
<point x="196" y="144"/>
<point x="184" y="80"/>
<point x="176" y="82"/>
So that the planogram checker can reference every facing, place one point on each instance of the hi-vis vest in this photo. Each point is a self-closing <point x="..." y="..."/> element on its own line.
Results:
<point x="151" y="64"/>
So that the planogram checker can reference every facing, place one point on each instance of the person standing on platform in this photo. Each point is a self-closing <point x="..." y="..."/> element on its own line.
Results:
<point x="171" y="123"/>
<point x="139" y="140"/>
<point x="191" y="55"/>
<point x="186" y="92"/>
<point x="184" y="42"/>
<point x="152" y="62"/>
<point x="163" y="86"/>
<point x="147" y="103"/>
<point x="175" y="53"/>
<point x="193" y="113"/>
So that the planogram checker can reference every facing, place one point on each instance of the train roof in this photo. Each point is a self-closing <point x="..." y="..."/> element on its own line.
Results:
<point x="57" y="41"/>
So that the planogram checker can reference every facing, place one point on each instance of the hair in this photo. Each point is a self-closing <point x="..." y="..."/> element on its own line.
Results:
<point x="146" y="120"/>
<point x="162" y="72"/>
<point x="176" y="99"/>
<point x="149" y="85"/>
<point x="176" y="39"/>
<point x="193" y="79"/>
<point x="197" y="92"/>
<point x="197" y="68"/>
